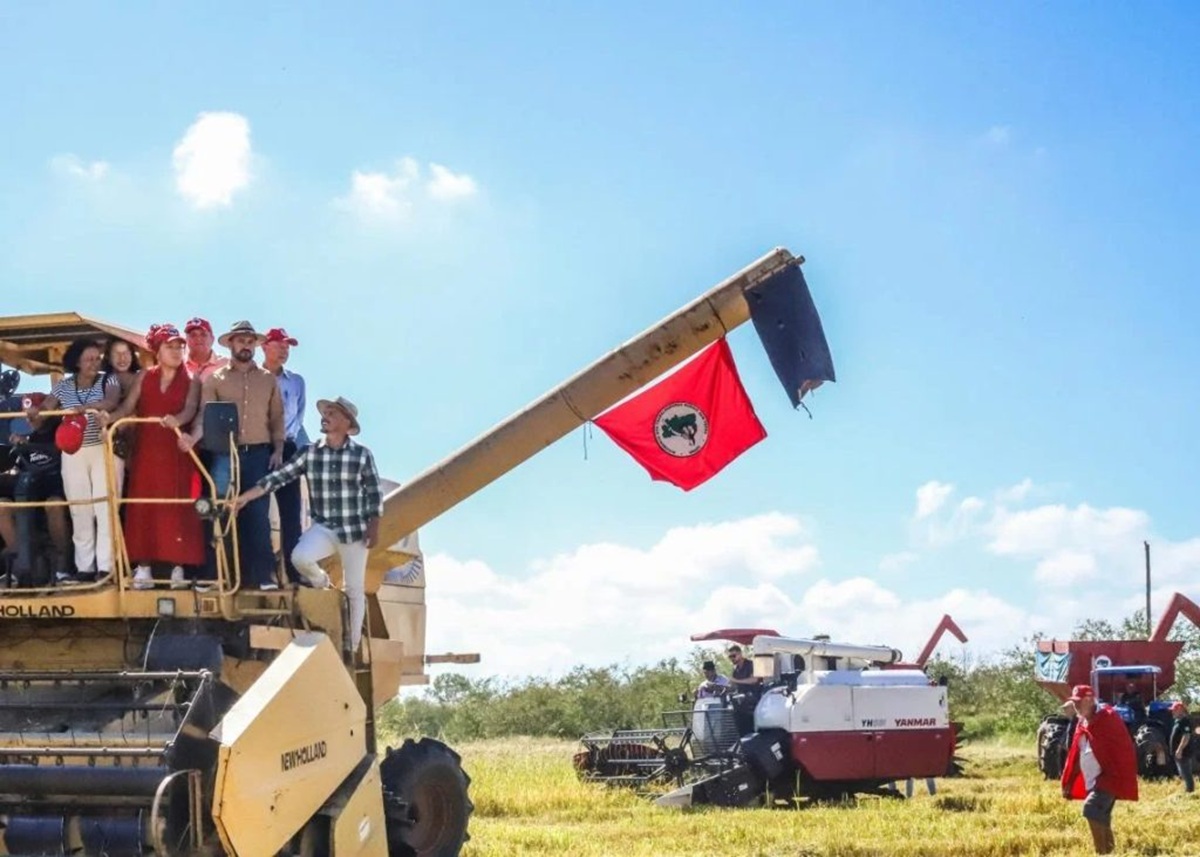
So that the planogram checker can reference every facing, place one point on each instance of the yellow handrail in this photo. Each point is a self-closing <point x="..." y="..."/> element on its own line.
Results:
<point x="121" y="564"/>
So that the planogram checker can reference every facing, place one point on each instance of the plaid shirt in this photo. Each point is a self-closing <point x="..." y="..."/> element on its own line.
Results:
<point x="343" y="486"/>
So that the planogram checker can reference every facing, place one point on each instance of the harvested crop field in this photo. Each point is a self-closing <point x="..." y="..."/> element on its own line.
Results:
<point x="528" y="801"/>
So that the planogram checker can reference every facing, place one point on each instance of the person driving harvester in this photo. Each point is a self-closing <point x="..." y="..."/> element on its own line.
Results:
<point x="743" y="669"/>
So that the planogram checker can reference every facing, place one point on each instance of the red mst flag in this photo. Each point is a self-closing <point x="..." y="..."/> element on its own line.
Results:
<point x="687" y="427"/>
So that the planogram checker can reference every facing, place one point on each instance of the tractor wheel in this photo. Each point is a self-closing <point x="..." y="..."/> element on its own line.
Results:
<point x="425" y="800"/>
<point x="1154" y="760"/>
<point x="1052" y="739"/>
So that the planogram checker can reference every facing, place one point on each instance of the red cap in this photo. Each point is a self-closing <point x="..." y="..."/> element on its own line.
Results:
<point x="160" y="334"/>
<point x="69" y="435"/>
<point x="197" y="323"/>
<point x="1177" y="706"/>
<point x="278" y="334"/>
<point x="1082" y="691"/>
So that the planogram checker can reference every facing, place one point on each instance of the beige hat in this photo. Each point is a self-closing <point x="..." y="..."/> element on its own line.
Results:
<point x="240" y="328"/>
<point x="345" y="406"/>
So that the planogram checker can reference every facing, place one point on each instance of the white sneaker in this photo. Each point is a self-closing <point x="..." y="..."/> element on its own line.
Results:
<point x="269" y="586"/>
<point x="142" y="578"/>
<point x="178" y="581"/>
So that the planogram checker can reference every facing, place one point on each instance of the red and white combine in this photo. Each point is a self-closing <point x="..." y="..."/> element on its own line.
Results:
<point x="829" y="719"/>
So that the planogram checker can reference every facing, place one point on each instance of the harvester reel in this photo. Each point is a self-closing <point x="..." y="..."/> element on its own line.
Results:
<point x="425" y="799"/>
<point x="676" y="763"/>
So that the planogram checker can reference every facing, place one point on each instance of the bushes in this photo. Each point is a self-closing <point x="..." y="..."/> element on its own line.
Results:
<point x="994" y="698"/>
<point x="584" y="700"/>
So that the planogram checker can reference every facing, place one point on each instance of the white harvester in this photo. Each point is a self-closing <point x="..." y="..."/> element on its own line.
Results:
<point x="828" y="719"/>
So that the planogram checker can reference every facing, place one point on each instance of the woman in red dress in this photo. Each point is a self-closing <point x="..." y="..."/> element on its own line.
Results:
<point x="162" y="532"/>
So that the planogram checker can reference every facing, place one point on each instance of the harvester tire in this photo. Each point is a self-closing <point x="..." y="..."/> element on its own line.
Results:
<point x="425" y="798"/>
<point x="1154" y="759"/>
<point x="1052" y="741"/>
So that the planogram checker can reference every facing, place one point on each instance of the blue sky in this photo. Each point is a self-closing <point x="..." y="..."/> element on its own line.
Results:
<point x="455" y="208"/>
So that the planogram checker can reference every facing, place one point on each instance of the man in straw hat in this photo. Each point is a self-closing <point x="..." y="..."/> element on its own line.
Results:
<point x="345" y="502"/>
<point x="1101" y="766"/>
<point x="259" y="444"/>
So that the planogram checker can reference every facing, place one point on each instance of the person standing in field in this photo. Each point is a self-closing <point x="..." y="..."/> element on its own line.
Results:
<point x="1101" y="766"/>
<point x="1182" y="741"/>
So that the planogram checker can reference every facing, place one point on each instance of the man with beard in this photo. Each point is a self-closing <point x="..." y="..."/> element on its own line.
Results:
<point x="259" y="445"/>
<point x="201" y="362"/>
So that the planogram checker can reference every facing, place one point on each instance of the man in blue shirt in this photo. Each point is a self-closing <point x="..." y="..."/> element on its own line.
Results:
<point x="277" y="346"/>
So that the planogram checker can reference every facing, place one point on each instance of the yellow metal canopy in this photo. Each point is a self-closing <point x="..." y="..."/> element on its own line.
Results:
<point x="35" y="343"/>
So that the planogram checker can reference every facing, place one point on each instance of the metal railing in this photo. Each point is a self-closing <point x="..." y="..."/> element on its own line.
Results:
<point x="223" y="526"/>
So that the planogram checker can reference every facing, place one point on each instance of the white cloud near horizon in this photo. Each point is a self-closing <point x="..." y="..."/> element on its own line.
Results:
<point x="212" y="160"/>
<point x="77" y="168"/>
<point x="609" y="603"/>
<point x="394" y="195"/>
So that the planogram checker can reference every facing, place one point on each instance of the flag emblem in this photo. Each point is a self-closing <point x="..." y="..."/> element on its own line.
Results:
<point x="688" y="426"/>
<point x="681" y="429"/>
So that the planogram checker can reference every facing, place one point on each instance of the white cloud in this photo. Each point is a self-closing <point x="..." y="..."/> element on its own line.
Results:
<point x="395" y="195"/>
<point x="897" y="562"/>
<point x="1065" y="568"/>
<point x="932" y="496"/>
<point x="445" y="185"/>
<point x="1045" y="529"/>
<point x="1015" y="493"/>
<point x="609" y="602"/>
<point x="935" y="523"/>
<point x="77" y="168"/>
<point x="212" y="160"/>
<point x="382" y="194"/>
<point x="569" y="607"/>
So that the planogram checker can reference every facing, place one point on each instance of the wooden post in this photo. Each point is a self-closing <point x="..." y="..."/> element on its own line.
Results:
<point x="1148" y="619"/>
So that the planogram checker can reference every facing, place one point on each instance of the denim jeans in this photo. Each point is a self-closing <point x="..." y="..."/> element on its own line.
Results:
<point x="254" y="521"/>
<point x="1184" y="766"/>
<point x="287" y="499"/>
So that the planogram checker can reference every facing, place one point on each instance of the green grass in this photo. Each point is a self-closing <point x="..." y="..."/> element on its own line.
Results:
<point x="528" y="801"/>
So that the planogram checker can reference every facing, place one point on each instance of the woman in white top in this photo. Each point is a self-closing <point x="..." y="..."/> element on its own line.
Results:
<point x="84" y="475"/>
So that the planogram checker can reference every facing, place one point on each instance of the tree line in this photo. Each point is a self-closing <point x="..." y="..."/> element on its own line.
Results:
<point x="990" y="697"/>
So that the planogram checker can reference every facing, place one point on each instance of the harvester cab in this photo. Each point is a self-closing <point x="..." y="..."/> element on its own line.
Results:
<point x="1132" y="691"/>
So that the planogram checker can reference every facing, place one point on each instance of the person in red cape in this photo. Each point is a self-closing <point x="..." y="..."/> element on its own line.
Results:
<point x="168" y="533"/>
<point x="1101" y="766"/>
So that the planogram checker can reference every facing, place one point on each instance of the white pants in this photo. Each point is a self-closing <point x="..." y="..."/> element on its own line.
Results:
<point x="84" y="478"/>
<point x="319" y="542"/>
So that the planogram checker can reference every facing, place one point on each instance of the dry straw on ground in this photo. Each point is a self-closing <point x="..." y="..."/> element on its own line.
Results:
<point x="528" y="801"/>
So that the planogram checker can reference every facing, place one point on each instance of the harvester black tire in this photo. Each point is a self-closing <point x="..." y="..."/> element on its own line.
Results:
<point x="1151" y="744"/>
<point x="1052" y="742"/>
<point x="428" y="777"/>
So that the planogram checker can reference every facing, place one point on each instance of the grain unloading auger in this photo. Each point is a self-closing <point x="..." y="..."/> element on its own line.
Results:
<point x="237" y="722"/>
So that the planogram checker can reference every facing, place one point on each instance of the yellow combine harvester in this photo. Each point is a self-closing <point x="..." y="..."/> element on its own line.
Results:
<point x="230" y="721"/>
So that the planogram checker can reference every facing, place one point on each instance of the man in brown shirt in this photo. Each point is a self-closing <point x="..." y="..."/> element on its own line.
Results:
<point x="259" y="445"/>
